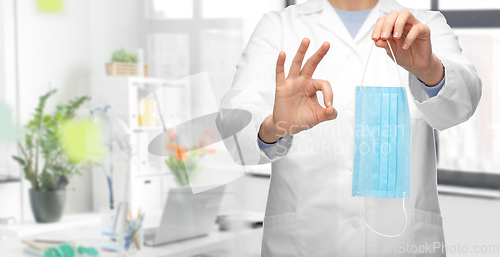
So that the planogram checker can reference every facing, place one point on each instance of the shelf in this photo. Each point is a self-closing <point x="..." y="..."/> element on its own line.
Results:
<point x="147" y="80"/>
<point x="465" y="191"/>
<point x="136" y="80"/>
<point x="8" y="179"/>
<point x="151" y="174"/>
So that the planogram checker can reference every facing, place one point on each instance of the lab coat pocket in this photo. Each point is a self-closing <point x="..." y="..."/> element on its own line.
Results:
<point x="428" y="234"/>
<point x="280" y="235"/>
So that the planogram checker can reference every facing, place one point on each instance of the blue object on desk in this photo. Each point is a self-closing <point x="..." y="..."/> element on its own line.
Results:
<point x="66" y="250"/>
<point x="111" y="138"/>
<point x="90" y="251"/>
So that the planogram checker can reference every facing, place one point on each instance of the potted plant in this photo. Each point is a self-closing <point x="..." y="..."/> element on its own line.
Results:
<point x="124" y="63"/>
<point x="44" y="161"/>
<point x="181" y="161"/>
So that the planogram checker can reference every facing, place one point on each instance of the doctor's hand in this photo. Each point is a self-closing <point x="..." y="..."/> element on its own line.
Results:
<point x="411" y="41"/>
<point x="296" y="106"/>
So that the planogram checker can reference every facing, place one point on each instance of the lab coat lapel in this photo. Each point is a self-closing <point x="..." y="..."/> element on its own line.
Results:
<point x="330" y="20"/>
<point x="369" y="24"/>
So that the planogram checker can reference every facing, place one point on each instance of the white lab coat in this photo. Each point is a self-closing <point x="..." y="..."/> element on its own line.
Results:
<point x="310" y="210"/>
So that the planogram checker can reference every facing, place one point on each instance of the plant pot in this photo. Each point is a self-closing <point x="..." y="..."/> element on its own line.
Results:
<point x="124" y="69"/>
<point x="47" y="206"/>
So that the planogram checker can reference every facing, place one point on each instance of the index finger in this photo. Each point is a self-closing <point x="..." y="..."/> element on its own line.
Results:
<point x="299" y="57"/>
<point x="314" y="60"/>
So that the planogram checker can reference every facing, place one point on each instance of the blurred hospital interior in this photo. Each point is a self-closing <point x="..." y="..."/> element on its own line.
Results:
<point x="90" y="91"/>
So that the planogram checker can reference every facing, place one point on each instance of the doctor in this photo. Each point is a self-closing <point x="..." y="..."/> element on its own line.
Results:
<point x="303" y="122"/>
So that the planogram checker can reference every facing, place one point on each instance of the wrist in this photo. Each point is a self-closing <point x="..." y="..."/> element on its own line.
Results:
<point x="433" y="74"/>
<point x="268" y="132"/>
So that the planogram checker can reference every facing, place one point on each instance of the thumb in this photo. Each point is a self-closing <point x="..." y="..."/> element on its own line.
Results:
<point x="329" y="113"/>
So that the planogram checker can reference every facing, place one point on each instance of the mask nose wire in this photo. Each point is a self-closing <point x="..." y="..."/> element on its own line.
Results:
<point x="378" y="233"/>
<point x="368" y="62"/>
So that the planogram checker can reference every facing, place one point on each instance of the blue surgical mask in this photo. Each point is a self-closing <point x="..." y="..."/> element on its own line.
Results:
<point x="382" y="143"/>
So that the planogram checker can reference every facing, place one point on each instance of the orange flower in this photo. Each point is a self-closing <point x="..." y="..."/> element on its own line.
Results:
<point x="171" y="147"/>
<point x="179" y="155"/>
<point x="180" y="151"/>
<point x="172" y="134"/>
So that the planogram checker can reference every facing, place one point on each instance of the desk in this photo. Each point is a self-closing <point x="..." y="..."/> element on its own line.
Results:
<point x="31" y="228"/>
<point x="247" y="241"/>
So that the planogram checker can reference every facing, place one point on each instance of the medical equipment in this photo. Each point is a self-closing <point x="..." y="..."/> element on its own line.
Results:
<point x="382" y="144"/>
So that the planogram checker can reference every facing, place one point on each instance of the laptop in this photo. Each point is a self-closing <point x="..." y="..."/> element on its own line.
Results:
<point x="186" y="215"/>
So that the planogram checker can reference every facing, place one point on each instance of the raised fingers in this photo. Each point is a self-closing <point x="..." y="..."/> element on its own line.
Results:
<point x="280" y="69"/>
<point x="314" y="60"/>
<point x="325" y="87"/>
<point x="388" y="25"/>
<point x="299" y="58"/>
<point x="378" y="28"/>
<point x="403" y="17"/>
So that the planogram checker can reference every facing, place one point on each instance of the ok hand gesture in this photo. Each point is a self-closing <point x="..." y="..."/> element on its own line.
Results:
<point x="296" y="106"/>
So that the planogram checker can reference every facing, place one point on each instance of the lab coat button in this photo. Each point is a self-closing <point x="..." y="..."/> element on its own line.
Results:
<point x="355" y="222"/>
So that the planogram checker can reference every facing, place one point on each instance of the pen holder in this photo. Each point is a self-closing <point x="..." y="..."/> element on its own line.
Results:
<point x="134" y="238"/>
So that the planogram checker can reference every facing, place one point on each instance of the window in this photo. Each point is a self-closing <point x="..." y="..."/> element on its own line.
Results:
<point x="468" y="153"/>
<point x="468" y="4"/>
<point x="201" y="35"/>
<point x="212" y="9"/>
<point x="170" y="9"/>
<point x="416" y="4"/>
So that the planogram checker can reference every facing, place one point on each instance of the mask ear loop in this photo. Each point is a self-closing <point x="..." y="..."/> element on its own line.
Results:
<point x="368" y="62"/>
<point x="356" y="197"/>
<point x="380" y="234"/>
<point x="395" y="64"/>
<point x="366" y="67"/>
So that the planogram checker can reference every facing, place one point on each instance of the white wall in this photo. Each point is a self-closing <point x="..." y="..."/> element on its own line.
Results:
<point x="2" y="53"/>
<point x="10" y="194"/>
<point x="113" y="25"/>
<point x="54" y="52"/>
<point x="63" y="51"/>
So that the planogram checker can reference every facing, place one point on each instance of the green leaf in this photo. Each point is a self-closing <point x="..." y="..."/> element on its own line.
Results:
<point x="19" y="160"/>
<point x="122" y="55"/>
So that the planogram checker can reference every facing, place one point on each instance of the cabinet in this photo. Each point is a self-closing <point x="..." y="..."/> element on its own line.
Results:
<point x="150" y="178"/>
